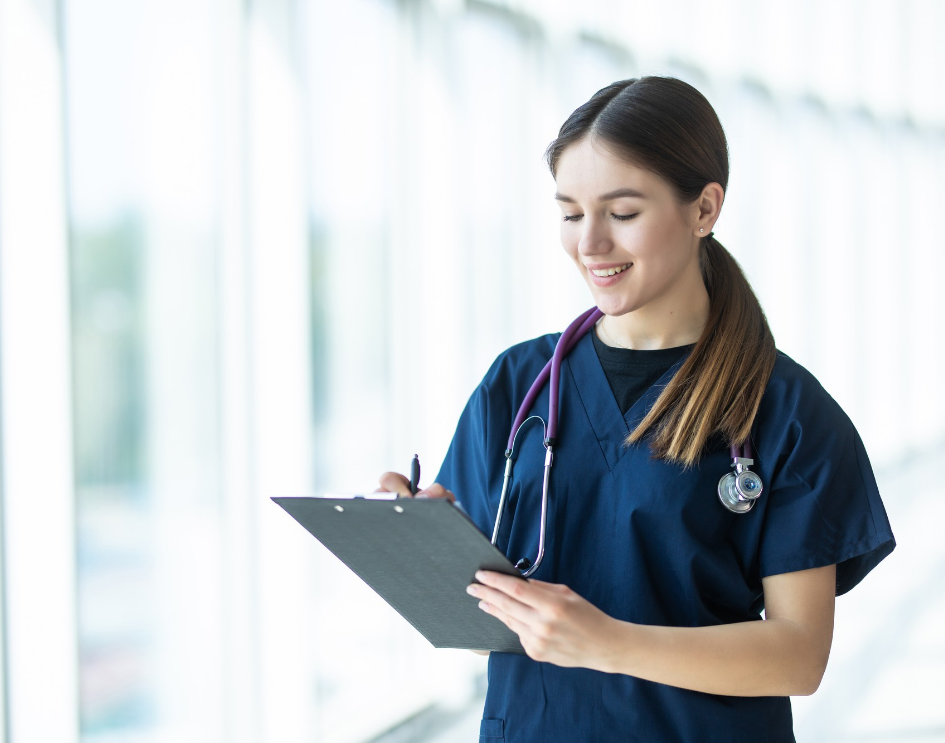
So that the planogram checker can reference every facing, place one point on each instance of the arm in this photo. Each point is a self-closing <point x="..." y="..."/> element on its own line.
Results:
<point x="784" y="655"/>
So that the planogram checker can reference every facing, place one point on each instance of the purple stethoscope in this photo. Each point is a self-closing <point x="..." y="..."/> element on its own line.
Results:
<point x="737" y="490"/>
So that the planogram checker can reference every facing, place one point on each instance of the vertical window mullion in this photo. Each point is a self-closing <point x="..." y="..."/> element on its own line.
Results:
<point x="39" y="557"/>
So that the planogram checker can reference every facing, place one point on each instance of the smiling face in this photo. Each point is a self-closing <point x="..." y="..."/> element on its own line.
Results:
<point x="635" y="245"/>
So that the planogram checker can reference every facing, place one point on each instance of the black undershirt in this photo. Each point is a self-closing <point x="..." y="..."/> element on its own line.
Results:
<point x="631" y="372"/>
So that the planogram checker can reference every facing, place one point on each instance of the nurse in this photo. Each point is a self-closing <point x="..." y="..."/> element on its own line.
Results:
<point x="644" y="620"/>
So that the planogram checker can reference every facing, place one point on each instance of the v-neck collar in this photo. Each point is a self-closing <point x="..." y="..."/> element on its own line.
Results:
<point x="610" y="426"/>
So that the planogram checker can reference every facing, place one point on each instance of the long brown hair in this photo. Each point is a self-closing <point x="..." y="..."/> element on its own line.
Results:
<point x="666" y="126"/>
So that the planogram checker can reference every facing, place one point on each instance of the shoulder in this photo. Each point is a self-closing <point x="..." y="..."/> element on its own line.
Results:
<point x="794" y="393"/>
<point x="522" y="361"/>
<point x="494" y="401"/>
<point x="510" y="375"/>
<point x="798" y="419"/>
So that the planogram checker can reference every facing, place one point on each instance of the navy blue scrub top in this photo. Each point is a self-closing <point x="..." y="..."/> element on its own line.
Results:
<point x="650" y="543"/>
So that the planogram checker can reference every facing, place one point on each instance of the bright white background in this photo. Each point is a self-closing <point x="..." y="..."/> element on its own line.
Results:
<point x="264" y="248"/>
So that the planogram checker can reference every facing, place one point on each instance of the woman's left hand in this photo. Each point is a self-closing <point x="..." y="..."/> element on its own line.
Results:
<point x="553" y="623"/>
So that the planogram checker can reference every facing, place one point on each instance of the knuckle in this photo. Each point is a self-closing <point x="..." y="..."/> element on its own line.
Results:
<point x="434" y="491"/>
<point x="538" y="648"/>
<point x="543" y="631"/>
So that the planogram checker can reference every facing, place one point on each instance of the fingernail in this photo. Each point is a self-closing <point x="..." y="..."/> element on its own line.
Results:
<point x="471" y="590"/>
<point x="479" y="575"/>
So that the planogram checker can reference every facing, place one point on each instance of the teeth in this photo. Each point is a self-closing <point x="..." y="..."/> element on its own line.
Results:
<point x="612" y="271"/>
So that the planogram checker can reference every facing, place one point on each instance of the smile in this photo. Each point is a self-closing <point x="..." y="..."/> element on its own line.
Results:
<point x="611" y="271"/>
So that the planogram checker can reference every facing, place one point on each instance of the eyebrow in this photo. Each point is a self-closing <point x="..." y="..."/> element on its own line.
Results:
<point x="619" y="193"/>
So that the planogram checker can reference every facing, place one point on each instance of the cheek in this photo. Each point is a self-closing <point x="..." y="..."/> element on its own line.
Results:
<point x="569" y="241"/>
<point x="659" y="245"/>
<point x="662" y="267"/>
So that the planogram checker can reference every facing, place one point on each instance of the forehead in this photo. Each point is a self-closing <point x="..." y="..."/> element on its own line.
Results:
<point x="590" y="167"/>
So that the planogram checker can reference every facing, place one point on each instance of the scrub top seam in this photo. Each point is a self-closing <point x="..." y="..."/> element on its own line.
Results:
<point x="859" y="467"/>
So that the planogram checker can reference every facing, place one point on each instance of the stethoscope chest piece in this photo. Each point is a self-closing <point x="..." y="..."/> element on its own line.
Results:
<point x="739" y="490"/>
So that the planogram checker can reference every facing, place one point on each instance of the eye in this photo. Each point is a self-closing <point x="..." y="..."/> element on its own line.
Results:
<point x="623" y="217"/>
<point x="572" y="217"/>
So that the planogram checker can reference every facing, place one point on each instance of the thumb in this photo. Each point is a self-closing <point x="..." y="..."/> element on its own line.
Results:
<point x="394" y="482"/>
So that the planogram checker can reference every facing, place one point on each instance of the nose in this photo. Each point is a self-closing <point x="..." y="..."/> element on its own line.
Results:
<point x="595" y="238"/>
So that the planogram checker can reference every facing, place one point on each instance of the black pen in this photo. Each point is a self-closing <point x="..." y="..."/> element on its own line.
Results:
<point x="414" y="474"/>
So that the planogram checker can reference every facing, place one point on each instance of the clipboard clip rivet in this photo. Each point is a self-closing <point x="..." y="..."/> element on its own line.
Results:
<point x="399" y="509"/>
<point x="339" y="509"/>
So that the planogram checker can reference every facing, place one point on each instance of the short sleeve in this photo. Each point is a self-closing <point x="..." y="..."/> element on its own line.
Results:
<point x="824" y="507"/>
<point x="464" y="460"/>
<point x="465" y="469"/>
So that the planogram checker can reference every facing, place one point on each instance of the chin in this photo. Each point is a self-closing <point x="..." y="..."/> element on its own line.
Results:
<point x="615" y="306"/>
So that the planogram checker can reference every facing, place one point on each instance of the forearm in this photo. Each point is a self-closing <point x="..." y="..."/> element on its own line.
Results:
<point x="762" y="658"/>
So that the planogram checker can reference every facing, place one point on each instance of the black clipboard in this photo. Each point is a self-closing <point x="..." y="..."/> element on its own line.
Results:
<point x="418" y="555"/>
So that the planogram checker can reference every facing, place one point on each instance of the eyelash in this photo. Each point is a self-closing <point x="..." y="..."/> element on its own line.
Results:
<point x="618" y="217"/>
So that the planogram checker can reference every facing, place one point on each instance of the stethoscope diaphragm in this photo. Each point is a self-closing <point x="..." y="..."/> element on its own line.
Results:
<point x="739" y="490"/>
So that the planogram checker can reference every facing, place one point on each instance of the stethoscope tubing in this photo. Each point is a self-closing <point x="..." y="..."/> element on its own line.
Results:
<point x="552" y="371"/>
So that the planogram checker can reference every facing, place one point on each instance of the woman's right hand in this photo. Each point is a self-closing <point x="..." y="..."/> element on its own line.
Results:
<point x="394" y="482"/>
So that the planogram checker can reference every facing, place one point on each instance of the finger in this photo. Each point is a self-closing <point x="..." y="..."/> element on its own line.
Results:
<point x="526" y="592"/>
<point x="535" y="647"/>
<point x="546" y="586"/>
<point x="518" y="627"/>
<point x="436" y="491"/>
<point x="394" y="482"/>
<point x="506" y="604"/>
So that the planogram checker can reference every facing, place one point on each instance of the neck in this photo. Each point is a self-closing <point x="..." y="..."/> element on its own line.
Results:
<point x="676" y="319"/>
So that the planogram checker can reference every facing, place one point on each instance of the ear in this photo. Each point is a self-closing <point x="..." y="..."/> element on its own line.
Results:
<point x="706" y="208"/>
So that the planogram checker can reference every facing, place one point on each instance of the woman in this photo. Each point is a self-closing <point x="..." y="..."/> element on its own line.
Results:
<point x="643" y="621"/>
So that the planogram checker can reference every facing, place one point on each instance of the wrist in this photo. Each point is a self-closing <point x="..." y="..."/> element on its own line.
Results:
<point x="617" y="648"/>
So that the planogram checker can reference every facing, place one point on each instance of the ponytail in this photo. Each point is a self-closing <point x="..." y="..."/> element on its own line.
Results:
<point x="666" y="126"/>
<point x="719" y="386"/>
